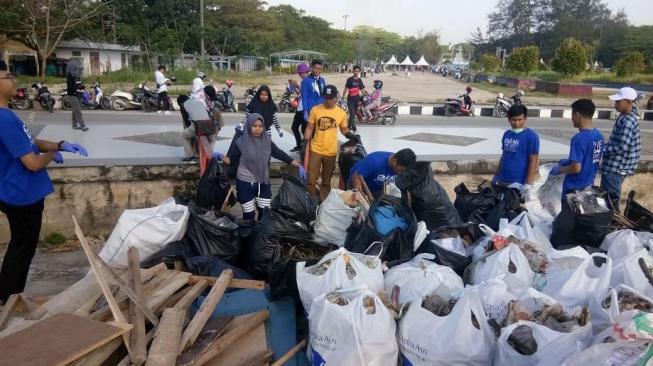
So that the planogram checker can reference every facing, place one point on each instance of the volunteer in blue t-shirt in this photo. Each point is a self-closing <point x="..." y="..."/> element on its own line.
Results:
<point x="24" y="184"/>
<point x="376" y="169"/>
<point x="520" y="148"/>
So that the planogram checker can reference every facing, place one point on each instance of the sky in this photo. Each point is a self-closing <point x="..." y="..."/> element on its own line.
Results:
<point x="453" y="19"/>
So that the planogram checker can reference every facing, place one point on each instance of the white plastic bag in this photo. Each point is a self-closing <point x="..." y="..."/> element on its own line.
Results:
<point x="548" y="189"/>
<point x="427" y="339"/>
<point x="552" y="346"/>
<point x="333" y="219"/>
<point x="495" y="297"/>
<point x="498" y="264"/>
<point x="420" y="277"/>
<point x="367" y="270"/>
<point x="628" y="272"/>
<point x="610" y="354"/>
<point x="454" y="245"/>
<point x="621" y="243"/>
<point x="148" y="229"/>
<point x="573" y="287"/>
<point x="348" y="334"/>
<point x="420" y="234"/>
<point x="523" y="229"/>
<point x="603" y="317"/>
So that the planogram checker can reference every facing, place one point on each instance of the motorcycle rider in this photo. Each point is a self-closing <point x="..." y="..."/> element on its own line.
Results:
<point x="162" y="88"/>
<point x="353" y="89"/>
<point x="467" y="99"/>
<point x="73" y="75"/>
<point x="298" y="121"/>
<point x="198" y="86"/>
<point x="193" y="109"/>
<point x="374" y="100"/>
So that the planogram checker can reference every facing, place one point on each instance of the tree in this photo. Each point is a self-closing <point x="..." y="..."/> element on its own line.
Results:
<point x="489" y="62"/>
<point x="571" y="58"/>
<point x="42" y="24"/>
<point x="630" y="64"/>
<point x="524" y="59"/>
<point x="513" y="18"/>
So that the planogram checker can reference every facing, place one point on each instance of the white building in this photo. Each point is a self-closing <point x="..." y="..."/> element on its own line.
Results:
<point x="97" y="58"/>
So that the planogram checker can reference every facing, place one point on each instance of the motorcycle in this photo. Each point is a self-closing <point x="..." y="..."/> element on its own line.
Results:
<point x="385" y="113"/>
<point x="121" y="100"/>
<point x="225" y="100"/>
<point x="288" y="102"/>
<point x="98" y="97"/>
<point x="250" y="93"/>
<point x="502" y="104"/>
<point x="43" y="96"/>
<point x="82" y="94"/>
<point x="21" y="100"/>
<point x="461" y="106"/>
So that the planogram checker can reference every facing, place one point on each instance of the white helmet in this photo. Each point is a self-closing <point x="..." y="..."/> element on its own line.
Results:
<point x="500" y="95"/>
<point x="201" y="75"/>
<point x="521" y="93"/>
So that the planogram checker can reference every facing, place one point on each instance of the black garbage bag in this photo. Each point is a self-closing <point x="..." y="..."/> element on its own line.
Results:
<point x="428" y="199"/>
<point x="213" y="187"/>
<point x="444" y="257"/>
<point x="587" y="228"/>
<point x="351" y="153"/>
<point x="213" y="266"/>
<point x="171" y="253"/>
<point x="640" y="215"/>
<point x="282" y="273"/>
<point x="397" y="244"/>
<point x="294" y="201"/>
<point x="212" y="233"/>
<point x="479" y="203"/>
<point x="264" y="239"/>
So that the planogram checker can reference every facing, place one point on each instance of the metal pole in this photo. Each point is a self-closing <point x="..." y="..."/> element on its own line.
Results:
<point x="345" y="16"/>
<point x="202" y="49"/>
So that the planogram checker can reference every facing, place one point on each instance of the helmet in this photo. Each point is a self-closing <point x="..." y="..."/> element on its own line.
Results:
<point x="229" y="83"/>
<point x="500" y="95"/>
<point x="201" y="75"/>
<point x="378" y="84"/>
<point x="521" y="93"/>
<point x="173" y="79"/>
<point x="468" y="89"/>
<point x="302" y="68"/>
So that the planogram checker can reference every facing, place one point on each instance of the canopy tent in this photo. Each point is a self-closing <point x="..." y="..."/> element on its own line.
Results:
<point x="422" y="62"/>
<point x="392" y="61"/>
<point x="407" y="61"/>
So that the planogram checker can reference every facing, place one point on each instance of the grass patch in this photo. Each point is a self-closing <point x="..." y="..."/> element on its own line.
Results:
<point x="55" y="239"/>
<point x="613" y="78"/>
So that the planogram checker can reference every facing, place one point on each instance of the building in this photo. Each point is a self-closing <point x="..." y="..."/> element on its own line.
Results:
<point x="22" y="59"/>
<point x="97" y="58"/>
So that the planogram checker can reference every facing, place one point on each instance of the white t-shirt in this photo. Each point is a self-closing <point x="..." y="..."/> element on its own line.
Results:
<point x="161" y="80"/>
<point x="198" y="84"/>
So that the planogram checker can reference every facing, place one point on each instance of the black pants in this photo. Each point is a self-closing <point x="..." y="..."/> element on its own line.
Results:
<point x="163" y="98"/>
<point x="352" y="104"/>
<point x="25" y="227"/>
<point x="298" y="124"/>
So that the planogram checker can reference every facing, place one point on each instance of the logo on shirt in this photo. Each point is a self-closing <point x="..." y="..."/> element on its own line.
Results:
<point x="597" y="151"/>
<point x="510" y="145"/>
<point x="326" y="123"/>
<point x="28" y="133"/>
<point x="382" y="178"/>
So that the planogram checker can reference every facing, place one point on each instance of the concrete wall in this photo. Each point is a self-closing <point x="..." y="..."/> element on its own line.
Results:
<point x="98" y="195"/>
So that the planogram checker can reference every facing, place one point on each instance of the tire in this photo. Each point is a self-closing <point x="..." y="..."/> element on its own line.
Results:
<point x="449" y="111"/>
<point x="500" y="112"/>
<point x="22" y="104"/>
<point x="51" y="105"/>
<point x="119" y="104"/>
<point x="105" y="103"/>
<point x="148" y="106"/>
<point x="65" y="105"/>
<point x="282" y="107"/>
<point x="393" y="120"/>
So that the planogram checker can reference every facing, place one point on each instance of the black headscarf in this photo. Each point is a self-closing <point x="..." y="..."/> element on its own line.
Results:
<point x="267" y="110"/>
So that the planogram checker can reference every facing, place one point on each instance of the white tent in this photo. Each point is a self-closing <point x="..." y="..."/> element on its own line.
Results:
<point x="407" y="61"/>
<point x="392" y="61"/>
<point x="422" y="62"/>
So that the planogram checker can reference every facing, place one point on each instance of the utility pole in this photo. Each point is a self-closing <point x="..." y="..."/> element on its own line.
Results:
<point x="202" y="49"/>
<point x="345" y="16"/>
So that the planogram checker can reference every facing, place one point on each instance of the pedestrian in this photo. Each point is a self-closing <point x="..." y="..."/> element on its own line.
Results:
<point x="193" y="109"/>
<point x="312" y="88"/>
<point x="622" y="151"/>
<point x="520" y="148"/>
<point x="263" y="104"/>
<point x="299" y="122"/>
<point x="324" y="121"/>
<point x="377" y="169"/>
<point x="162" y="88"/>
<point x="24" y="184"/>
<point x="73" y="81"/>
<point x="354" y="88"/>
<point x="581" y="167"/>
<point x="253" y="151"/>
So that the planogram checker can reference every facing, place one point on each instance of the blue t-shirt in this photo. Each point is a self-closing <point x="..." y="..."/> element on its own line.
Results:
<point x="375" y="169"/>
<point x="18" y="185"/>
<point x="517" y="149"/>
<point x="586" y="148"/>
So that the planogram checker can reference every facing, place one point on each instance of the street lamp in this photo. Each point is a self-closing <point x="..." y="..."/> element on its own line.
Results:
<point x="345" y="16"/>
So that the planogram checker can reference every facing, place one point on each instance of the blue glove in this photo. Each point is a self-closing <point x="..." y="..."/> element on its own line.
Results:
<point x="564" y="162"/>
<point x="58" y="158"/>
<point x="555" y="170"/>
<point x="302" y="172"/>
<point x="74" y="148"/>
<point x="218" y="155"/>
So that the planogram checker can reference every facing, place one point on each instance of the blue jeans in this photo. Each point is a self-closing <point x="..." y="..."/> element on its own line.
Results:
<point x="611" y="183"/>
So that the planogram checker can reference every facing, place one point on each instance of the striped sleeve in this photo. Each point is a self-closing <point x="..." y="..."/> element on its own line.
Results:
<point x="275" y="121"/>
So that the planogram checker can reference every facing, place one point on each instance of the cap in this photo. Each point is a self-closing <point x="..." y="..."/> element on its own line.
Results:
<point x="330" y="92"/>
<point x="624" y="93"/>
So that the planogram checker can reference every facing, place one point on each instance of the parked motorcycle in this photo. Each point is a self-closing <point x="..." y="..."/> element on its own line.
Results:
<point x="503" y="104"/>
<point x="99" y="99"/>
<point x="43" y="96"/>
<point x="250" y="93"/>
<point x="288" y="103"/>
<point x="121" y="100"/>
<point x="225" y="100"/>
<point x="83" y="95"/>
<point x="461" y="106"/>
<point x="21" y="100"/>
<point x="385" y="113"/>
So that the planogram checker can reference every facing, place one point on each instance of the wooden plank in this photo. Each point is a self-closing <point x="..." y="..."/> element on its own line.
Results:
<point x="235" y="282"/>
<point x="186" y="301"/>
<point x="174" y="299"/>
<point x="137" y="334"/>
<point x="245" y="349"/>
<point x="34" y="311"/>
<point x="57" y="340"/>
<point x="8" y="309"/>
<point x="288" y="355"/>
<point x="149" y="336"/>
<point x="98" y="356"/>
<point x="158" y="297"/>
<point x="165" y="345"/>
<point x="206" y="309"/>
<point x="214" y="328"/>
<point x="235" y="334"/>
<point x="261" y="359"/>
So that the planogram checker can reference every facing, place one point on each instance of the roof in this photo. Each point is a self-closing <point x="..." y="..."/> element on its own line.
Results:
<point x="392" y="61"/>
<point x="422" y="62"/>
<point x="13" y="46"/>
<point x="407" y="61"/>
<point x="78" y="43"/>
<point x="297" y="53"/>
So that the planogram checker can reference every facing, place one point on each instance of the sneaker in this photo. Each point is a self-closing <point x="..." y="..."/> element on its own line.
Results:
<point x="190" y="160"/>
<point x="159" y="112"/>
<point x="294" y="149"/>
<point x="166" y="112"/>
<point x="84" y="128"/>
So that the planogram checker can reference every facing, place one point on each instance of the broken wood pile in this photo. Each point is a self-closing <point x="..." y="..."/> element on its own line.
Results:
<point x="133" y="317"/>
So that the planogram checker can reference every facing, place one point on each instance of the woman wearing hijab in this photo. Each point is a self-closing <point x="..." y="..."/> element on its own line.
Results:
<point x="253" y="150"/>
<point x="73" y="77"/>
<point x="263" y="104"/>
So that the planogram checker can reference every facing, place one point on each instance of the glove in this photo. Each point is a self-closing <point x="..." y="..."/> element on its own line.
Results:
<point x="302" y="172"/>
<point x="353" y="137"/>
<point x="555" y="170"/>
<point x="564" y="162"/>
<point x="74" y="148"/>
<point x="218" y="155"/>
<point x="58" y="158"/>
<point x="280" y="133"/>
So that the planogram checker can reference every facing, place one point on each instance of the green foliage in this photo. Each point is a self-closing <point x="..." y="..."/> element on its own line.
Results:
<point x="571" y="58"/>
<point x="55" y="239"/>
<point x="523" y="60"/>
<point x="489" y="62"/>
<point x="630" y="64"/>
<point x="649" y="68"/>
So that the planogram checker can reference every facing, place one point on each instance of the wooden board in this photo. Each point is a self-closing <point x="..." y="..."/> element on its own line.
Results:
<point x="249" y="346"/>
<point x="57" y="340"/>
<point x="165" y="345"/>
<point x="136" y="317"/>
<point x="235" y="282"/>
<point x="214" y="328"/>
